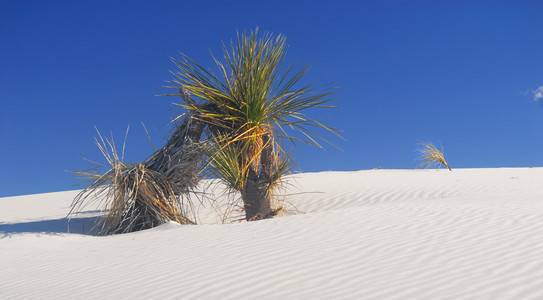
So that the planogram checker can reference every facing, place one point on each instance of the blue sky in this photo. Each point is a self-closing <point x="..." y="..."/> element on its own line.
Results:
<point x="463" y="74"/>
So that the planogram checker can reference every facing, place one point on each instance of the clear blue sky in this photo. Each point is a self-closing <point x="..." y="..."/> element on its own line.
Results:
<point x="457" y="73"/>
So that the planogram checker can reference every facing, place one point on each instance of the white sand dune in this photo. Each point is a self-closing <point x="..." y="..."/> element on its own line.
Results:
<point x="379" y="234"/>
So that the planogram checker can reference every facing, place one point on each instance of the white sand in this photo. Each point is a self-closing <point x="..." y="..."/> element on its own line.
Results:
<point x="380" y="234"/>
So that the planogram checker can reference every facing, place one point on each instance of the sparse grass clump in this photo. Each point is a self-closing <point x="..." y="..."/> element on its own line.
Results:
<point x="132" y="196"/>
<point x="431" y="156"/>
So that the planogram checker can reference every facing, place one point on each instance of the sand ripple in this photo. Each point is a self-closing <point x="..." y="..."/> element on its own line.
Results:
<point x="385" y="234"/>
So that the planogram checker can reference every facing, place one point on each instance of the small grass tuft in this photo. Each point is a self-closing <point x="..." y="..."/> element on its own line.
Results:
<point x="431" y="156"/>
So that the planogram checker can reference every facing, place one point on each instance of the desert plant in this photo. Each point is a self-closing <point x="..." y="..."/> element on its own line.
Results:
<point x="247" y="110"/>
<point x="240" y="124"/>
<point x="132" y="196"/>
<point x="431" y="156"/>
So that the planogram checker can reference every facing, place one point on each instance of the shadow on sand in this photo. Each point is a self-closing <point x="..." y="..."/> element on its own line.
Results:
<point x="82" y="225"/>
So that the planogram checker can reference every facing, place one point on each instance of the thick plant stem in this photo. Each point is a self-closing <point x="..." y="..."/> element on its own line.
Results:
<point x="256" y="199"/>
<point x="256" y="194"/>
<point x="180" y="157"/>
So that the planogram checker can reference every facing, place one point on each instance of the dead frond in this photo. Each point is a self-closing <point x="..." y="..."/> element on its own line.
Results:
<point x="182" y="157"/>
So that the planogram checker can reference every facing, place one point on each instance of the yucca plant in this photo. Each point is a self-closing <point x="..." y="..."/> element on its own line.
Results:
<point x="250" y="109"/>
<point x="132" y="196"/>
<point x="431" y="156"/>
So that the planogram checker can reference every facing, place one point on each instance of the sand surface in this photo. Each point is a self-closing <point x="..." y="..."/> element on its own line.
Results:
<point x="376" y="234"/>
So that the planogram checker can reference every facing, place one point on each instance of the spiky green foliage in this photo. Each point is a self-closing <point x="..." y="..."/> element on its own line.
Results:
<point x="431" y="156"/>
<point x="225" y="164"/>
<point x="251" y="106"/>
<point x="131" y="196"/>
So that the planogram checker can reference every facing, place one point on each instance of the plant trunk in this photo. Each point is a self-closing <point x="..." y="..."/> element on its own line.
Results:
<point x="256" y="198"/>
<point x="180" y="157"/>
<point x="256" y="194"/>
